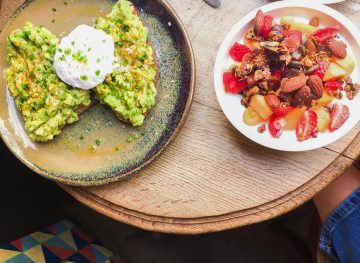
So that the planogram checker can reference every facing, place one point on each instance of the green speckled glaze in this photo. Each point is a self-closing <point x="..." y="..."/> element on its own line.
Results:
<point x="100" y="148"/>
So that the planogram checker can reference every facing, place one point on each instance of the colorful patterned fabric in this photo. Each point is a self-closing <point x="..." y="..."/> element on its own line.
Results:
<point x="63" y="242"/>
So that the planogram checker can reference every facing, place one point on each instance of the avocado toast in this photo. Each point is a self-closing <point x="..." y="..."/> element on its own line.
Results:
<point x="45" y="102"/>
<point x="130" y="90"/>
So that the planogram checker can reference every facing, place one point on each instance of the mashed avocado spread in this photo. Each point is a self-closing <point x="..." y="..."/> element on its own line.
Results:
<point x="46" y="103"/>
<point x="130" y="89"/>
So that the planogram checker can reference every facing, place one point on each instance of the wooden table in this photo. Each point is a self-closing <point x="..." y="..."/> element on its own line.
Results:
<point x="212" y="178"/>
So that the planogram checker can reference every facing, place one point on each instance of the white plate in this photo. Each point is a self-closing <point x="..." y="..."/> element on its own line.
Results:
<point x="231" y="105"/>
<point x="324" y="2"/>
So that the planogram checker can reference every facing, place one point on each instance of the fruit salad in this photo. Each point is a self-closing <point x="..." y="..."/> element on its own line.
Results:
<point x="292" y="76"/>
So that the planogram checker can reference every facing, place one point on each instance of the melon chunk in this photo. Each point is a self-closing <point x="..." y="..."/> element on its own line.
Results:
<point x="325" y="100"/>
<point x="323" y="119"/>
<point x="261" y="107"/>
<point x="334" y="71"/>
<point x="251" y="117"/>
<point x="348" y="64"/>
<point x="293" y="118"/>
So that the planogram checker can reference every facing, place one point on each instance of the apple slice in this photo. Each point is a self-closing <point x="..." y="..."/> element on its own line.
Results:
<point x="287" y="20"/>
<point x="292" y="118"/>
<point x="334" y="71"/>
<point x="304" y="28"/>
<point x="251" y="117"/>
<point x="348" y="64"/>
<point x="259" y="104"/>
<point x="325" y="100"/>
<point x="323" y="118"/>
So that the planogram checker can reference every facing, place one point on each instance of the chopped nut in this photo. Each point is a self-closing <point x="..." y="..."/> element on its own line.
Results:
<point x="307" y="62"/>
<point x="262" y="74"/>
<point x="276" y="33"/>
<point x="264" y="85"/>
<point x="246" y="67"/>
<point x="261" y="61"/>
<point x="314" y="103"/>
<point x="314" y="21"/>
<point x="351" y="89"/>
<point x="251" y="35"/>
<point x="261" y="128"/>
<point x="337" y="95"/>
<point x="247" y="94"/>
<point x="233" y="67"/>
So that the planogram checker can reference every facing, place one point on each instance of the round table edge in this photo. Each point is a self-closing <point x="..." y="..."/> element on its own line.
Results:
<point x="217" y="223"/>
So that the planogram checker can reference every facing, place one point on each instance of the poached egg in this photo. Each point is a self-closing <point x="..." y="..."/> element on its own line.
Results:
<point x="85" y="57"/>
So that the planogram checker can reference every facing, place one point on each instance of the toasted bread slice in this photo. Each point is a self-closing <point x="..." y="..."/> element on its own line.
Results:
<point x="130" y="90"/>
<point x="46" y="103"/>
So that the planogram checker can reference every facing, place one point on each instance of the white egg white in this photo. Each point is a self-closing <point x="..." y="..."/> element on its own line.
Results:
<point x="85" y="57"/>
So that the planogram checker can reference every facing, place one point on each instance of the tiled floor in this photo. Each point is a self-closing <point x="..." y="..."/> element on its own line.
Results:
<point x="28" y="202"/>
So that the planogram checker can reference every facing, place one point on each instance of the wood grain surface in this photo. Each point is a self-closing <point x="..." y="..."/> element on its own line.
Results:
<point x="212" y="178"/>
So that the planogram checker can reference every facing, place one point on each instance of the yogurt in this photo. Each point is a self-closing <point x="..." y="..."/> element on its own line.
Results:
<point x="85" y="57"/>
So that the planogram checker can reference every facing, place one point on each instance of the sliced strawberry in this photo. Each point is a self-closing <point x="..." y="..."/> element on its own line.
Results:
<point x="323" y="34"/>
<point x="232" y="84"/>
<point x="307" y="125"/>
<point x="276" y="126"/>
<point x="238" y="51"/>
<point x="283" y="110"/>
<point x="333" y="85"/>
<point x="259" y="22"/>
<point x="321" y="69"/>
<point x="339" y="114"/>
<point x="293" y="40"/>
<point x="268" y="22"/>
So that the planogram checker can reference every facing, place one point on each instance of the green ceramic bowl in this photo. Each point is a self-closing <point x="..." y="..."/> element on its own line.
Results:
<point x="73" y="157"/>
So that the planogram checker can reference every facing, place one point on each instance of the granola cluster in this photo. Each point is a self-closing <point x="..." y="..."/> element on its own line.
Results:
<point x="262" y="67"/>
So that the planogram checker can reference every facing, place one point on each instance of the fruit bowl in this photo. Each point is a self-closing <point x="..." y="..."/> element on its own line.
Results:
<point x="230" y="103"/>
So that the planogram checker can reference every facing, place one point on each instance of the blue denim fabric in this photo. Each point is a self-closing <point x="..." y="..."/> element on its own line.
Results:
<point x="340" y="236"/>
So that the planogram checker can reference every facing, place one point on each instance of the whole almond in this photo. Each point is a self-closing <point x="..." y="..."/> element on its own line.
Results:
<point x="316" y="85"/>
<point x="302" y="97"/>
<point x="337" y="48"/>
<point x="272" y="100"/>
<point x="294" y="83"/>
